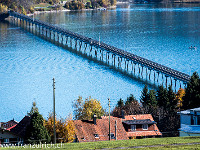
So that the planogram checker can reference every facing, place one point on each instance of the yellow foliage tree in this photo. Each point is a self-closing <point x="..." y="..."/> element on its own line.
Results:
<point x="65" y="129"/>
<point x="3" y="8"/>
<point x="179" y="97"/>
<point x="86" y="109"/>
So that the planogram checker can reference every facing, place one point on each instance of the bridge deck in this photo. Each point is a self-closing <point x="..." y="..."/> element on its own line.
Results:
<point x="116" y="51"/>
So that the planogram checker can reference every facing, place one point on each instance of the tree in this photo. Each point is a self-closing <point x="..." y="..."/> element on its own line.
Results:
<point x="113" y="2"/>
<point x="179" y="97"/>
<point x="162" y="97"/>
<point x="152" y="98"/>
<point x="3" y="8"/>
<point x="65" y="130"/>
<point x="144" y="96"/>
<point x="120" y="103"/>
<point x="33" y="109"/>
<point x="86" y="109"/>
<point x="132" y="106"/>
<point x="35" y="131"/>
<point x="192" y="93"/>
<point x="172" y="102"/>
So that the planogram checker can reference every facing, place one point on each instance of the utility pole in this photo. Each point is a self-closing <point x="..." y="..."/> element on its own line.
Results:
<point x="54" y="118"/>
<point x="109" y="118"/>
<point x="115" y="129"/>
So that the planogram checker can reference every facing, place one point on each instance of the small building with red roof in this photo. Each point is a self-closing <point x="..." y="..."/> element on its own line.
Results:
<point x="141" y="125"/>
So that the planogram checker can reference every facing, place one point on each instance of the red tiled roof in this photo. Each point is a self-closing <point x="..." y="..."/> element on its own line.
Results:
<point x="85" y="130"/>
<point x="142" y="133"/>
<point x="139" y="117"/>
<point x="11" y="127"/>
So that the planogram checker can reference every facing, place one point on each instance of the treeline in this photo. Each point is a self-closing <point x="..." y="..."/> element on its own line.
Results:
<point x="90" y="4"/>
<point x="25" y="6"/>
<point x="163" y="104"/>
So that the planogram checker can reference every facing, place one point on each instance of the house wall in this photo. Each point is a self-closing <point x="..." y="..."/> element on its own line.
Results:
<point x="185" y="119"/>
<point x="181" y="133"/>
<point x="139" y="128"/>
<point x="7" y="135"/>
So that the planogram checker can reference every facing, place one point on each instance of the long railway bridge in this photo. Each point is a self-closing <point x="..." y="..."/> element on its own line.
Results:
<point x="118" y="58"/>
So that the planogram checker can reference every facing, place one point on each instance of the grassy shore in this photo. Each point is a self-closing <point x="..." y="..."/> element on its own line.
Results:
<point x="161" y="143"/>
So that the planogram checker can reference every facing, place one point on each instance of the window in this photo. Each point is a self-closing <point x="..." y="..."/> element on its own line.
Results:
<point x="112" y="136"/>
<point x="145" y="126"/>
<point x="198" y="120"/>
<point x="133" y="127"/>
<point x="6" y="140"/>
<point x="192" y="120"/>
<point x="96" y="135"/>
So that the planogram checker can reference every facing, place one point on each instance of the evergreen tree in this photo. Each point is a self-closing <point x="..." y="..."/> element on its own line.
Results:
<point x="152" y="98"/>
<point x="144" y="96"/>
<point x="172" y="102"/>
<point x="35" y="131"/>
<point x="192" y="93"/>
<point x="120" y="103"/>
<point x="162" y="97"/>
<point x="33" y="109"/>
<point x="130" y="99"/>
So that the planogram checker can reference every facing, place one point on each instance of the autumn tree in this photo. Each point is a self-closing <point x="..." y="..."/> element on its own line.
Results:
<point x="3" y="8"/>
<point x="179" y="97"/>
<point x="192" y="93"/>
<point x="65" y="130"/>
<point x="86" y="109"/>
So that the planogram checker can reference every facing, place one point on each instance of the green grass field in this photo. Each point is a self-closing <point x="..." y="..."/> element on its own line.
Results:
<point x="128" y="144"/>
<point x="42" y="5"/>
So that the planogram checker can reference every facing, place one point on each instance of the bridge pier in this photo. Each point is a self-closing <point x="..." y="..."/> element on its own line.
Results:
<point x="166" y="80"/>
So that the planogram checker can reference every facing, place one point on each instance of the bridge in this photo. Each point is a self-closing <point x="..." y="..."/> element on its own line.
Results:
<point x="106" y="52"/>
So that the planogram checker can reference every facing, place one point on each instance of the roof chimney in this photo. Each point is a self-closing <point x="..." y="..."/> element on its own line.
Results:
<point x="123" y="117"/>
<point x="95" y="119"/>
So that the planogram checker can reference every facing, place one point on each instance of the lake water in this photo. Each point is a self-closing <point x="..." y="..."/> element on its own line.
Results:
<point x="162" y="33"/>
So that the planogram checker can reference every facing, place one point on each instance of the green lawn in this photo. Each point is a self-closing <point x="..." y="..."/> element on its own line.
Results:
<point x="130" y="143"/>
<point x="42" y="5"/>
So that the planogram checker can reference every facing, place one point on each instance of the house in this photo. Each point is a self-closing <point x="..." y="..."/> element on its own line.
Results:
<point x="142" y="125"/>
<point x="127" y="127"/>
<point x="16" y="133"/>
<point x="20" y="128"/>
<point x="6" y="125"/>
<point x="190" y="122"/>
<point x="7" y="137"/>
<point x="98" y="129"/>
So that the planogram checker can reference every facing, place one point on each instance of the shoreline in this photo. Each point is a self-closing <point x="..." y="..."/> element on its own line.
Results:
<point x="63" y="10"/>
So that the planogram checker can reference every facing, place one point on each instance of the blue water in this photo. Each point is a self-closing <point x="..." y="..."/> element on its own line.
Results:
<point x="161" y="33"/>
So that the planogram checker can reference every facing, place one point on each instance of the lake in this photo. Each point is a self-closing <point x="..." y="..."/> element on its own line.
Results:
<point x="160" y="32"/>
